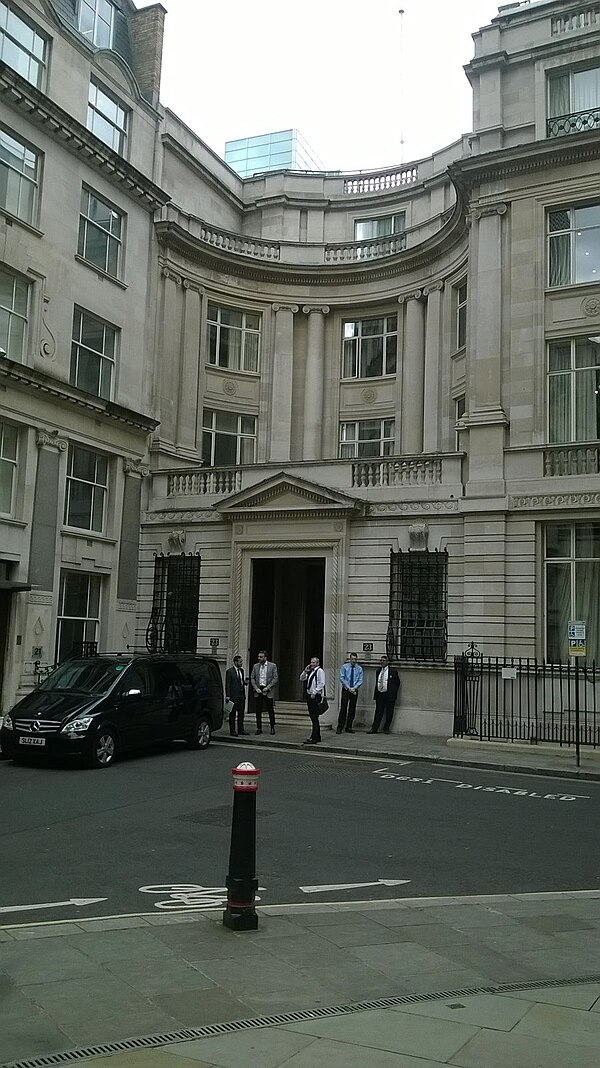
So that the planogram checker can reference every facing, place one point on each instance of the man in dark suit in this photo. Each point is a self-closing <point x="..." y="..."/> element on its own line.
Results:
<point x="387" y="684"/>
<point x="235" y="691"/>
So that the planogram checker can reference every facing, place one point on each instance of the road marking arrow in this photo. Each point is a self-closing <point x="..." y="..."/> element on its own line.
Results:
<point x="351" y="886"/>
<point x="53" y="904"/>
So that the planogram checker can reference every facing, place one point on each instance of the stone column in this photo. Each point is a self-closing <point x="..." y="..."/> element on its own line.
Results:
<point x="315" y="382"/>
<point x="485" y="416"/>
<point x="283" y="365"/>
<point x="432" y="375"/>
<point x="44" y="520"/>
<point x="187" y="414"/>
<point x="413" y="374"/>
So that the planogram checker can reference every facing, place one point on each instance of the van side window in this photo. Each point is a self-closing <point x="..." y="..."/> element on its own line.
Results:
<point x="206" y="680"/>
<point x="135" y="678"/>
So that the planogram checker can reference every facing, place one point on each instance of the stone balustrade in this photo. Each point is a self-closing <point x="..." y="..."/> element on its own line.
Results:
<point x="351" y="251"/>
<point x="585" y="18"/>
<point x="208" y="481"/>
<point x="376" y="183"/>
<point x="237" y="243"/>
<point x="412" y="471"/>
<point x="571" y="460"/>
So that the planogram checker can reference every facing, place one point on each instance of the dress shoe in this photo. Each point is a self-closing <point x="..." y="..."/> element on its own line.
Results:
<point x="243" y="732"/>
<point x="350" y="731"/>
<point x="272" y="730"/>
<point x="339" y="730"/>
<point x="258" y="732"/>
<point x="309" y="741"/>
<point x="371" y="732"/>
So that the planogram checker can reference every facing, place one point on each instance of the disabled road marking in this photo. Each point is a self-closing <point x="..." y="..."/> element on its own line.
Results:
<point x="458" y="784"/>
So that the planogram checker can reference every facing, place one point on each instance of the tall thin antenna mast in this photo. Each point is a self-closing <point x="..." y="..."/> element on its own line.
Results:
<point x="401" y="84"/>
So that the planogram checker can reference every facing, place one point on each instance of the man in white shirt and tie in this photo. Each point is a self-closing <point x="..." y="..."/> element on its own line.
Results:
<point x="314" y="677"/>
<point x="387" y="684"/>
<point x="235" y="691"/>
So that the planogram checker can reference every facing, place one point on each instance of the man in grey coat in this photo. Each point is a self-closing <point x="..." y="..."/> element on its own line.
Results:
<point x="263" y="679"/>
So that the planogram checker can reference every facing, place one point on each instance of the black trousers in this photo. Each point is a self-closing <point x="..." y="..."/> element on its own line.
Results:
<point x="384" y="706"/>
<point x="314" y="707"/>
<point x="263" y="703"/>
<point x="237" y="713"/>
<point x="347" y="710"/>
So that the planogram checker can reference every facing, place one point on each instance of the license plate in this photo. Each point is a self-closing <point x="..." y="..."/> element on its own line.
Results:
<point x="32" y="741"/>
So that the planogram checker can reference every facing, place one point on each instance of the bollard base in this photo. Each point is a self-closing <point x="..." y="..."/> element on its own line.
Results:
<point x="246" y="920"/>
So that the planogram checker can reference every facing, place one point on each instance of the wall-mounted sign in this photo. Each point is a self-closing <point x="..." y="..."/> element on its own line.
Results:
<point x="576" y="637"/>
<point x="213" y="642"/>
<point x="367" y="647"/>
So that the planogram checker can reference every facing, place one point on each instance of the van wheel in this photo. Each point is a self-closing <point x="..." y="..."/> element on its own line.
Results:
<point x="104" y="748"/>
<point x="201" y="734"/>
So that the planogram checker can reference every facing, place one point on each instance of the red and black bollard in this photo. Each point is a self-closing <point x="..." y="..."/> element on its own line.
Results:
<point x="241" y="882"/>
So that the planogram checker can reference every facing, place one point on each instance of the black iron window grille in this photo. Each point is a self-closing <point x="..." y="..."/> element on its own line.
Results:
<point x="418" y="619"/>
<point x="173" y="626"/>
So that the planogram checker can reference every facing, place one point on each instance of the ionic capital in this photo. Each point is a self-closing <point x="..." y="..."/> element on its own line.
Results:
<point x="293" y="308"/>
<point x="433" y="287"/>
<point x="500" y="208"/>
<point x="416" y="295"/>
<point x="135" y="467"/>
<point x="308" y="309"/>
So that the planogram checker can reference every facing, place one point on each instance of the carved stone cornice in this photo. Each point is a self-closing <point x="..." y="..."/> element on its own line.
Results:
<point x="28" y="378"/>
<point x="308" y="309"/>
<point x="412" y="507"/>
<point x="135" y="467"/>
<point x="293" y="308"/>
<point x="52" y="439"/>
<point x="550" y="501"/>
<point x="58" y="124"/>
<point x="156" y="518"/>
<point x="415" y="295"/>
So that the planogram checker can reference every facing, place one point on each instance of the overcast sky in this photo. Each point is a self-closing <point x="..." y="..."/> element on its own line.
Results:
<point x="365" y="86"/>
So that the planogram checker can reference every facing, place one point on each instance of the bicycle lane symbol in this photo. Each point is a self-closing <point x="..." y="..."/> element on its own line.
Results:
<point x="181" y="896"/>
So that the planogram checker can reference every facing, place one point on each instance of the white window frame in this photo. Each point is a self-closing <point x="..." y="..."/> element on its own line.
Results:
<point x="97" y="489"/>
<point x="353" y="345"/>
<point x="18" y="177"/>
<point x="8" y="461"/>
<point x="573" y="240"/>
<point x="98" y="25"/>
<point x="115" y="115"/>
<point x="91" y="620"/>
<point x="210" y="431"/>
<point x="18" y="33"/>
<point x="217" y="330"/>
<point x="351" y="439"/>
<point x="81" y="352"/>
<point x="113" y="240"/>
<point x="14" y="316"/>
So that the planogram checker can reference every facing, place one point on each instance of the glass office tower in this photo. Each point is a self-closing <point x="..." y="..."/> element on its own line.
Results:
<point x="279" y="151"/>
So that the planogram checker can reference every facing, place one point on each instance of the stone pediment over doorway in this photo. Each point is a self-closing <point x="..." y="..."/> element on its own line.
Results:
<point x="287" y="497"/>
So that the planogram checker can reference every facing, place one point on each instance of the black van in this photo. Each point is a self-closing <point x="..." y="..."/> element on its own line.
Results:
<point x="95" y="707"/>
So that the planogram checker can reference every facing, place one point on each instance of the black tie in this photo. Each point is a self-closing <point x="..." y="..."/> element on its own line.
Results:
<point x="241" y="674"/>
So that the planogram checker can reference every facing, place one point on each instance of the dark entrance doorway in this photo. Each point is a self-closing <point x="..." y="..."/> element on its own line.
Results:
<point x="286" y="619"/>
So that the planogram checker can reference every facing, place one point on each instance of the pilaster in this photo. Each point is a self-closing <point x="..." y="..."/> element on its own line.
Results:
<point x="314" y="383"/>
<point x="413" y="373"/>
<point x="283" y="363"/>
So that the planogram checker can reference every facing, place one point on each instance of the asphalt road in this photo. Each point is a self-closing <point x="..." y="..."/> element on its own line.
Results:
<point x="162" y="820"/>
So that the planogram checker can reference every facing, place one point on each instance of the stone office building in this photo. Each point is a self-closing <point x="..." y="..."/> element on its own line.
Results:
<point x="376" y="395"/>
<point x="78" y="128"/>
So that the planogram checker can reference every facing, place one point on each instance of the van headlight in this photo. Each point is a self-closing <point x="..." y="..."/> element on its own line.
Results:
<point x="7" y="722"/>
<point x="77" y="726"/>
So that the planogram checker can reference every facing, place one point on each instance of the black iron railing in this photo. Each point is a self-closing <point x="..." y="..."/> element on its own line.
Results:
<point x="577" y="122"/>
<point x="523" y="699"/>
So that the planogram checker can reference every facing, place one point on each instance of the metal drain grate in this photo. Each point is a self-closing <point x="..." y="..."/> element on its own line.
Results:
<point x="188" y="1034"/>
<point x="336" y="770"/>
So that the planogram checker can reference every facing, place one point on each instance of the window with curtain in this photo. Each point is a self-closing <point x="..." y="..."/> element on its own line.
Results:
<point x="369" y="347"/>
<point x="574" y="390"/>
<point x="573" y="245"/>
<point x="573" y="102"/>
<point x="381" y="226"/>
<point x="572" y="579"/>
